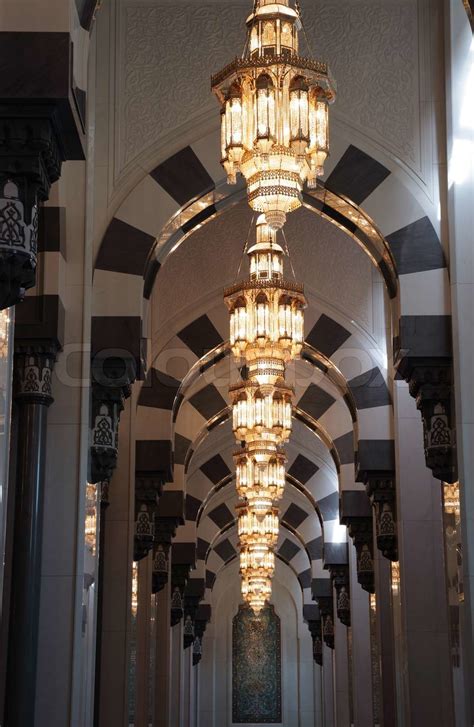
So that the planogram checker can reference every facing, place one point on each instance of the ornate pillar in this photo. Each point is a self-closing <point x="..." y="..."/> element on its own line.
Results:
<point x="430" y="382"/>
<point x="152" y="470"/>
<point x="169" y="514"/>
<point x="183" y="558"/>
<point x="356" y="514"/>
<point x="193" y="595"/>
<point x="336" y="561"/>
<point x="162" y="680"/>
<point x="323" y="595"/>
<point x="312" y="617"/>
<point x="202" y="618"/>
<point x="376" y="469"/>
<point x="32" y="382"/>
<point x="361" y="662"/>
<point x="31" y="153"/>
<point x="111" y="382"/>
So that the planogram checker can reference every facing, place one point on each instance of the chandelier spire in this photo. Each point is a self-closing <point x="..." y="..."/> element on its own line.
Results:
<point x="274" y="112"/>
<point x="266" y="333"/>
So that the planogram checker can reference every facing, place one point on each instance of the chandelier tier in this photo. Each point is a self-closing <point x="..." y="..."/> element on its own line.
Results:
<point x="266" y="314"/>
<point x="274" y="112"/>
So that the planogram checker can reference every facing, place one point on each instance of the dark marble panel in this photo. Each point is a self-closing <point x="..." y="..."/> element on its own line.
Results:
<point x="335" y="554"/>
<point x="200" y="336"/>
<point x="370" y="390"/>
<point x="376" y="455"/>
<point x="294" y="516"/>
<point x="171" y="504"/>
<point x="355" y="503"/>
<point x="321" y="588"/>
<point x="303" y="469"/>
<point x="326" y="336"/>
<point x="315" y="548"/>
<point x="202" y="548"/>
<point x="424" y="337"/>
<point x="40" y="317"/>
<point x="195" y="588"/>
<point x="159" y="391"/>
<point x="305" y="578"/>
<point x="356" y="175"/>
<point x="208" y="401"/>
<point x="210" y="579"/>
<point x="329" y="506"/>
<point x="345" y="447"/>
<point x="221" y="516"/>
<point x="315" y="401"/>
<point x="183" y="176"/>
<point x="153" y="456"/>
<point x="311" y="612"/>
<point x="416" y="247"/>
<point x="192" y="507"/>
<point x="124" y="249"/>
<point x="225" y="550"/>
<point x="215" y="469"/>
<point x="181" y="446"/>
<point x="183" y="554"/>
<point x="288" y="550"/>
<point x="52" y="230"/>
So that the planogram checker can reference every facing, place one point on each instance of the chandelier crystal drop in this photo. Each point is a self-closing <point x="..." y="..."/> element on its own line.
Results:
<point x="274" y="112"/>
<point x="266" y="333"/>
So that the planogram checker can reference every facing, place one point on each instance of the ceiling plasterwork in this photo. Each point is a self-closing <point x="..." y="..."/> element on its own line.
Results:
<point x="167" y="51"/>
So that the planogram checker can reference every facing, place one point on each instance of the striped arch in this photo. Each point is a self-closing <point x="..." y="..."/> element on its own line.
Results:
<point x="184" y="193"/>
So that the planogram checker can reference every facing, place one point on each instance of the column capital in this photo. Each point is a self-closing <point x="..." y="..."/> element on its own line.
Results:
<point x="31" y="154"/>
<point x="179" y="578"/>
<point x="431" y="385"/>
<point x="356" y="514"/>
<point x="169" y="515"/>
<point x="193" y="595"/>
<point x="321" y="589"/>
<point x="33" y="369"/>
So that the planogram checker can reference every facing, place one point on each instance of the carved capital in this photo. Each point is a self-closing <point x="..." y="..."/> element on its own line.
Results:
<point x="33" y="373"/>
<point x="164" y="532"/>
<point x="197" y="650"/>
<point x="30" y="161"/>
<point x="340" y="579"/>
<point x="326" y="605"/>
<point x="179" y="578"/>
<point x="381" y="490"/>
<point x="106" y="406"/>
<point x="360" y="530"/>
<point x="432" y="387"/>
<point x="315" y="627"/>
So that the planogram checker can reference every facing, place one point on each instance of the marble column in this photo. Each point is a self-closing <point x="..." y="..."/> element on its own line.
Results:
<point x="341" y="674"/>
<point x="162" y="679"/>
<point x="384" y="670"/>
<point x="142" y="700"/>
<point x="427" y="684"/>
<point x="104" y="503"/>
<point x="33" y="368"/>
<point x="328" y="686"/>
<point x="177" y="676"/>
<point x="361" y="653"/>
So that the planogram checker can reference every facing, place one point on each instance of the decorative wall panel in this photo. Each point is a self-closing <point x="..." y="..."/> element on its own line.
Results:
<point x="256" y="667"/>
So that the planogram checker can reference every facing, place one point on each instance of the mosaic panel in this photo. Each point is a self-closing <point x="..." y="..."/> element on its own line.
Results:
<point x="256" y="667"/>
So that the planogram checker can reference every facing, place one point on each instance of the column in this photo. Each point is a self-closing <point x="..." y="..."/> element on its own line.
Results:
<point x="33" y="369"/>
<point x="143" y="642"/>
<point x="341" y="675"/>
<point x="177" y="676"/>
<point x="427" y="684"/>
<point x="361" y="653"/>
<point x="328" y="686"/>
<point x="162" y="682"/>
<point x="383" y="672"/>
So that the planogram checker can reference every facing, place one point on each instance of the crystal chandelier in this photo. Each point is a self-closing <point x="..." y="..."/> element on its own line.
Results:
<point x="274" y="112"/>
<point x="266" y="322"/>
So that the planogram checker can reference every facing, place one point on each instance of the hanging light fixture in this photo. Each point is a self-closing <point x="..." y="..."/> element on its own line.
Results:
<point x="266" y="312"/>
<point x="266" y="327"/>
<point x="274" y="112"/>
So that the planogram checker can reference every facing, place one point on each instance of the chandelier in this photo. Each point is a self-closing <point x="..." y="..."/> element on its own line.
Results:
<point x="274" y="112"/>
<point x="266" y="322"/>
